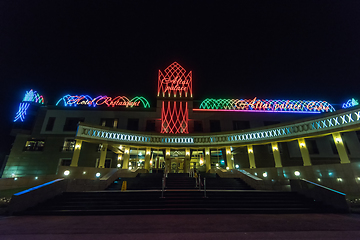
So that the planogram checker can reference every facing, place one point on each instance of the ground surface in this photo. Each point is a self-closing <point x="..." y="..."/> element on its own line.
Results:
<point x="211" y="226"/>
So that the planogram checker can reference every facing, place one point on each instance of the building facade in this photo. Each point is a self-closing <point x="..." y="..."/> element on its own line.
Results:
<point x="179" y="134"/>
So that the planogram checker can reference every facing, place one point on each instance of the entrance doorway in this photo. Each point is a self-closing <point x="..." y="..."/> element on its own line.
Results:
<point x="177" y="165"/>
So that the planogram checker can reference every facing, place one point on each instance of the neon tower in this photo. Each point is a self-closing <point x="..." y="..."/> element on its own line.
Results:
<point x="175" y="91"/>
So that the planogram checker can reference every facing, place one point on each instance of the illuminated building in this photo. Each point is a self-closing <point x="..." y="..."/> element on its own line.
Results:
<point x="275" y="139"/>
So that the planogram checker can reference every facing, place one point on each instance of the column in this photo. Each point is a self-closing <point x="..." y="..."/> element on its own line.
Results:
<point x="167" y="160"/>
<point x="187" y="160"/>
<point x="251" y="156"/>
<point x="304" y="152"/>
<point x="103" y="152"/>
<point x="126" y="157"/>
<point x="119" y="157"/>
<point x="147" y="158"/>
<point x="344" y="158"/>
<point x="76" y="154"/>
<point x="207" y="159"/>
<point x="229" y="159"/>
<point x="276" y="154"/>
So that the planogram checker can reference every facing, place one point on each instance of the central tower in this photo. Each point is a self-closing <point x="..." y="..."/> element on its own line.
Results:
<point x="175" y="91"/>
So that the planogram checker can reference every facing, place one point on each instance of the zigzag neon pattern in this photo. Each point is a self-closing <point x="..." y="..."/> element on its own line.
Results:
<point x="75" y="100"/>
<point x="267" y="105"/>
<point x="174" y="81"/>
<point x="174" y="117"/>
<point x="30" y="97"/>
<point x="20" y="115"/>
<point x="350" y="103"/>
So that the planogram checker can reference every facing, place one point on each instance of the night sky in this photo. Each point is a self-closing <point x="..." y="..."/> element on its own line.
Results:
<point x="308" y="50"/>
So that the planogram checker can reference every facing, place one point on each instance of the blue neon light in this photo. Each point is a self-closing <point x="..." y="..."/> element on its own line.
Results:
<point x="37" y="187"/>
<point x="350" y="103"/>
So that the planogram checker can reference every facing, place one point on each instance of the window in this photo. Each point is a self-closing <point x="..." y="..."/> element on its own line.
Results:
<point x="34" y="145"/>
<point x="133" y="124"/>
<point x="50" y="124"/>
<point x="268" y="123"/>
<point x="215" y="126"/>
<point x="69" y="145"/>
<point x="312" y="146"/>
<point x="240" y="125"/>
<point x="71" y="123"/>
<point x="150" y="125"/>
<point x="198" y="126"/>
<point x="109" y="122"/>
<point x="65" y="162"/>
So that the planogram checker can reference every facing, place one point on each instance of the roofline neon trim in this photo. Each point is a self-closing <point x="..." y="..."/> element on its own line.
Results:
<point x="228" y="110"/>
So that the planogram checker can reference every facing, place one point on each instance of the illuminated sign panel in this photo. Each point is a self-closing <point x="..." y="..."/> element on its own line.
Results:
<point x="174" y="117"/>
<point x="265" y="105"/>
<point x="173" y="82"/>
<point x="76" y="100"/>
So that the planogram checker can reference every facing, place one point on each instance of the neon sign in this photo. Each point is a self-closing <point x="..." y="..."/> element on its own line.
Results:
<point x="174" y="117"/>
<point x="265" y="105"/>
<point x="30" y="97"/>
<point x="174" y="81"/>
<point x="76" y="100"/>
<point x="350" y="103"/>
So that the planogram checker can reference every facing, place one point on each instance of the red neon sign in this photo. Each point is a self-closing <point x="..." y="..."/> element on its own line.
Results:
<point x="174" y="117"/>
<point x="174" y="82"/>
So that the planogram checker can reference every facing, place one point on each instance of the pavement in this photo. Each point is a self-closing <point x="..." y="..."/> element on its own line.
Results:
<point x="206" y="226"/>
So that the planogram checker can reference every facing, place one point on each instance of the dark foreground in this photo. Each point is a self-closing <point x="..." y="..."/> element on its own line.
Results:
<point x="208" y="226"/>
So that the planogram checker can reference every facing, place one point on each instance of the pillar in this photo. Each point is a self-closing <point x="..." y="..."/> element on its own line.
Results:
<point x="187" y="160"/>
<point x="103" y="152"/>
<point x="276" y="154"/>
<point x="147" y="158"/>
<point x="304" y="152"/>
<point x="76" y="154"/>
<point x="251" y="156"/>
<point x="207" y="159"/>
<point x="119" y="158"/>
<point x="229" y="158"/>
<point x="167" y="160"/>
<point x="126" y="157"/>
<point x="344" y="158"/>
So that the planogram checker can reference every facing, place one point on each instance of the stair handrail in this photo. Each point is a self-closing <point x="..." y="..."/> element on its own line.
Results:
<point x="205" y="188"/>
<point x="162" y="187"/>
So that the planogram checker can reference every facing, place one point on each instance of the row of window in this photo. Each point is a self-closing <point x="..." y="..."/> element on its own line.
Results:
<point x="133" y="124"/>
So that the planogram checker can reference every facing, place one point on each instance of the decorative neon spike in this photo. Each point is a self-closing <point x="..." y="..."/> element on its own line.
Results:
<point x="173" y="82"/>
<point x="267" y="105"/>
<point x="75" y="100"/>
<point x="20" y="115"/>
<point x="174" y="117"/>
<point x="350" y="103"/>
<point x="33" y="96"/>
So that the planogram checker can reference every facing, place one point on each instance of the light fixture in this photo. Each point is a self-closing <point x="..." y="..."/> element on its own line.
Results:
<point x="119" y="165"/>
<point x="217" y="164"/>
<point x="147" y="153"/>
<point x="119" y="158"/>
<point x="319" y="180"/>
<point x="15" y="178"/>
<point x="66" y="172"/>
<point x="13" y="175"/>
<point x="297" y="173"/>
<point x="265" y="174"/>
<point x="97" y="174"/>
<point x="302" y="144"/>
<point x="130" y="168"/>
<point x="127" y="151"/>
<point x="227" y="152"/>
<point x="207" y="153"/>
<point x="339" y="179"/>
<point x="84" y="172"/>
<point x="275" y="148"/>
<point x="250" y="150"/>
<point x="36" y="178"/>
<point x="236" y="166"/>
<point x="227" y="168"/>
<point x="338" y="140"/>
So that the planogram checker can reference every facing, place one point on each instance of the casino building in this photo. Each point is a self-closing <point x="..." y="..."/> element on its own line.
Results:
<point x="272" y="139"/>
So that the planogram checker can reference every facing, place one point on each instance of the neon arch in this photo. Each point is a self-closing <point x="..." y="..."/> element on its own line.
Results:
<point x="86" y="100"/>
<point x="266" y="105"/>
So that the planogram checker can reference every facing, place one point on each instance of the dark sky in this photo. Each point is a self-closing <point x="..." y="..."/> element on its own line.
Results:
<point x="307" y="50"/>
